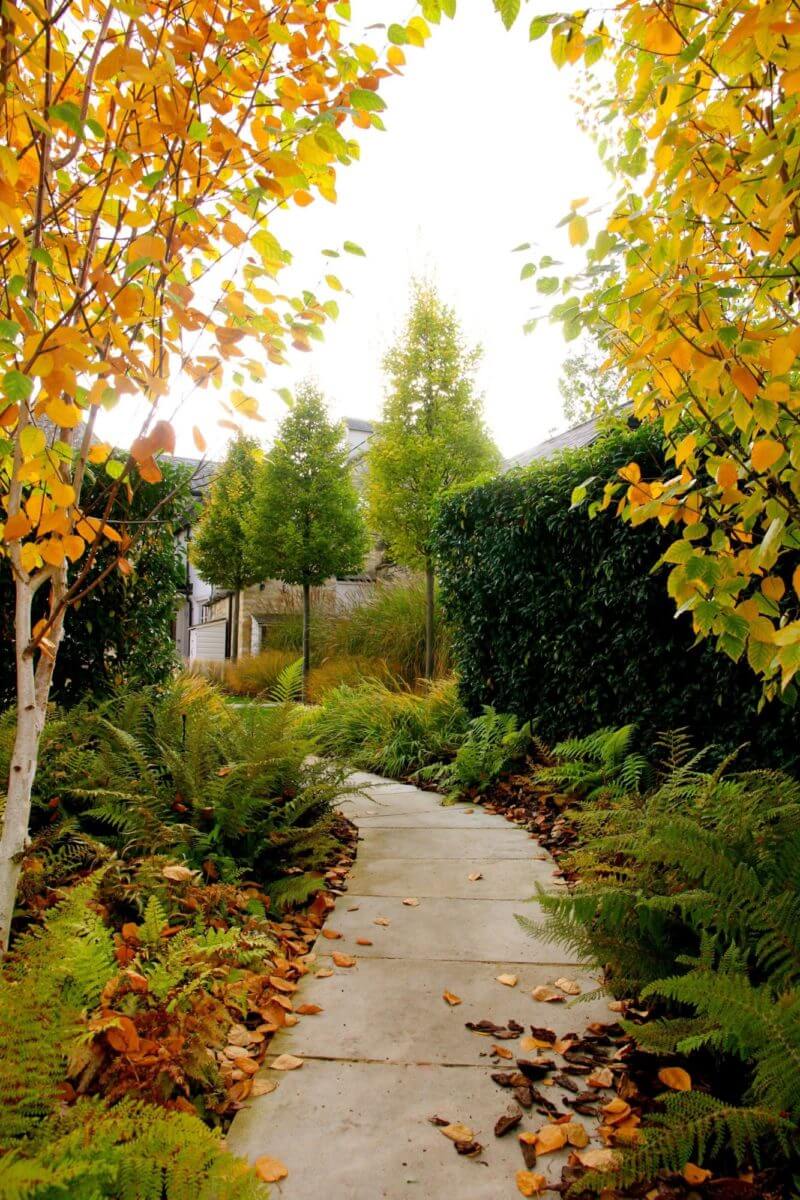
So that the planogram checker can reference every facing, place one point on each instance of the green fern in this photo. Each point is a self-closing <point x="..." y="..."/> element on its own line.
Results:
<point x="601" y="764"/>
<point x="289" y="684"/>
<point x="493" y="741"/>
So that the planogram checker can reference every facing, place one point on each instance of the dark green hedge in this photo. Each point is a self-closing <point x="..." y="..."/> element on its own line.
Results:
<point x="558" y="618"/>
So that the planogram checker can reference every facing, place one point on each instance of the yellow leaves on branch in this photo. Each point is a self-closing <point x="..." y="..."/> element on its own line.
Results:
<point x="692" y="289"/>
<point x="139" y="166"/>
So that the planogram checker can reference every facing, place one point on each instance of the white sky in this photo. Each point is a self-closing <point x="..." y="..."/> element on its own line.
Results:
<point x="482" y="151"/>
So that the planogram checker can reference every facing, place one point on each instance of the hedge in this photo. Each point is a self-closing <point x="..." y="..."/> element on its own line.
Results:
<point x="561" y="619"/>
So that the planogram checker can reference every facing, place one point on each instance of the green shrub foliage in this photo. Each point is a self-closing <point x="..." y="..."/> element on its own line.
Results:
<point x="690" y="898"/>
<point x="558" y="617"/>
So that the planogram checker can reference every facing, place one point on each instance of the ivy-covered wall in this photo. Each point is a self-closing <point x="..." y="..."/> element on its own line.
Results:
<point x="559" y="618"/>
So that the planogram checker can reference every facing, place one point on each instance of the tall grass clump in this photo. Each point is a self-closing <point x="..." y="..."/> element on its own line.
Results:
<point x="393" y="732"/>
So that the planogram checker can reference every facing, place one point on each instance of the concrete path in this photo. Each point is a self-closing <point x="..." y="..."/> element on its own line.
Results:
<point x="387" y="1052"/>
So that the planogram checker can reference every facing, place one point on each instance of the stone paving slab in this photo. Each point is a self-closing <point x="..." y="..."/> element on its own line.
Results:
<point x="395" y="1012"/>
<point x="385" y="802"/>
<point x="440" y="818"/>
<point x="360" y="1131"/>
<point x="501" y="843"/>
<point x="443" y="928"/>
<point x="504" y="879"/>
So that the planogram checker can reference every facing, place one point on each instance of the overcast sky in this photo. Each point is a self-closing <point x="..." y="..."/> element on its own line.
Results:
<point x="482" y="151"/>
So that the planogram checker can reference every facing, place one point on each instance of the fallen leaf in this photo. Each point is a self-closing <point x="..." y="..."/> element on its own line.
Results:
<point x="509" y="1120"/>
<point x="451" y="998"/>
<point x="569" y="986"/>
<point x="309" y="1010"/>
<point x="436" y="1120"/>
<point x="676" y="1078"/>
<point x="286" y="1062"/>
<point x="270" y="1170"/>
<point x="600" y="1160"/>
<point x="475" y="876"/>
<point x="507" y="980"/>
<point x="528" y="1138"/>
<point x="550" y="1138"/>
<point x="323" y="973"/>
<point x="178" y="873"/>
<point x="331" y="934"/>
<point x="263" y="1087"/>
<point x="381" y="921"/>
<point x="458" y="1132"/>
<point x="343" y="960"/>
<point x="618" y="1006"/>
<point x="534" y="1043"/>
<point x="529" y="1183"/>
<point x="615" y="1111"/>
<point x="363" y="942"/>
<point x="545" y="993"/>
<point x="469" y="1149"/>
<point x="501" y="1052"/>
<point x="601" y="1078"/>
<point x="694" y="1174"/>
<point x="576" y="1134"/>
<point x="411" y="901"/>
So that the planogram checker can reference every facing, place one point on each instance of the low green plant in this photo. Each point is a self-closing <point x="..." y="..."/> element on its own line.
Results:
<point x="393" y="732"/>
<point x="602" y="764"/>
<point x="51" y="1151"/>
<point x="689" y="895"/>
<point x="492" y="742"/>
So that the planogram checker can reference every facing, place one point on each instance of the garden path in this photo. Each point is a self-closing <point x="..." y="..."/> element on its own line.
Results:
<point x="387" y="1051"/>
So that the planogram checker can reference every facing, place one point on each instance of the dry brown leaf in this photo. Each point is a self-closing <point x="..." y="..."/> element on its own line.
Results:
<point x="263" y="1087"/>
<point x="475" y="876"/>
<point x="507" y="980"/>
<point x="600" y="1160"/>
<point x="547" y="994"/>
<point x="501" y="1052"/>
<point x="323" y="973"/>
<point x="411" y="901"/>
<point x="695" y="1174"/>
<point x="618" y="1006"/>
<point x="343" y="960"/>
<point x="234" y="1052"/>
<point x="676" y="1078"/>
<point x="363" y="942"/>
<point x="616" y="1110"/>
<point x="451" y="998"/>
<point x="178" y="873"/>
<point x="550" y="1138"/>
<point x="381" y="921"/>
<point x="570" y="987"/>
<point x="576" y="1134"/>
<point x="331" y="934"/>
<point x="458" y="1132"/>
<point x="286" y="1062"/>
<point x="529" y="1183"/>
<point x="602" y="1078"/>
<point x="309" y="1010"/>
<point x="528" y="1138"/>
<point x="270" y="1170"/>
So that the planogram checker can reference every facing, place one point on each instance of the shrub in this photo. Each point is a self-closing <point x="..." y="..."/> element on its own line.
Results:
<point x="556" y="617"/>
<point x="333" y="672"/>
<point x="256" y="674"/>
<point x="689" y="895"/>
<point x="392" y="732"/>
<point x="177" y="770"/>
<point x="491" y="743"/>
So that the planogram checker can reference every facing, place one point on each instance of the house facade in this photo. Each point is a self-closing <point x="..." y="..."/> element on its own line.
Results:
<point x="203" y="621"/>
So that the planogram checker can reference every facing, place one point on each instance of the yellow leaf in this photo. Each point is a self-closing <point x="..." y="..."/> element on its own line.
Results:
<point x="694" y="1174"/>
<point x="773" y="587"/>
<point x="270" y="1170"/>
<point x="198" y="439"/>
<point x="99" y="452"/>
<point x="781" y="355"/>
<point x="676" y="1078"/>
<point x="52" y="551"/>
<point x="745" y="382"/>
<point x="63" y="494"/>
<point x="16" y="527"/>
<point x="530" y="1183"/>
<point x="796" y="581"/>
<point x="727" y="474"/>
<point x="74" y="547"/>
<point x="578" y="230"/>
<point x="684" y="448"/>
<point x="451" y="998"/>
<point x="63" y="412"/>
<point x="765" y="453"/>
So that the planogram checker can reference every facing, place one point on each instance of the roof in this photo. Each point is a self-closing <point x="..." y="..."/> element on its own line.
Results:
<point x="203" y="470"/>
<point x="359" y="425"/>
<point x="571" y="439"/>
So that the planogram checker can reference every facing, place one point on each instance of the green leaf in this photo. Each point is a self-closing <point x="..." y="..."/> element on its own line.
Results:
<point x="366" y="100"/>
<point x="397" y="35"/>
<point x="69" y="114"/>
<point x="449" y="8"/>
<point x="539" y="27"/>
<point x="353" y="248"/>
<point x="521" y="246"/>
<point x="547" y="284"/>
<point x="114" y="468"/>
<point x="9" y="329"/>
<point x="16" y="386"/>
<point x="509" y="11"/>
<point x="199" y="131"/>
<point x="527" y="271"/>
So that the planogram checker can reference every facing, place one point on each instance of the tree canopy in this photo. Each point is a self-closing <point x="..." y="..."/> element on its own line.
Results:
<point x="218" y="548"/>
<point x="431" y="434"/>
<point x="693" y="282"/>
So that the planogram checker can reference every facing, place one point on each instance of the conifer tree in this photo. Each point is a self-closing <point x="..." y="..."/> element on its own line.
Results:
<point x="305" y="523"/>
<point x="432" y="436"/>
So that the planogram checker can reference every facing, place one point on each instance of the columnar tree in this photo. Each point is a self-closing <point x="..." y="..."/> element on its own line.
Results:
<point x="218" y="548"/>
<point x="143" y="150"/>
<point x="430" y="437"/>
<point x="305" y="523"/>
<point x="693" y="280"/>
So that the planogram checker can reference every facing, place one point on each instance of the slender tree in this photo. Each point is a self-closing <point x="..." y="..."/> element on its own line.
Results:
<point x="219" y="546"/>
<point x="432" y="436"/>
<point x="305" y="524"/>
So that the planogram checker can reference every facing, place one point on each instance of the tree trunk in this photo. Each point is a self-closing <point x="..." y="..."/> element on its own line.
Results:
<point x="33" y="693"/>
<point x="429" y="603"/>
<point x="306" y="637"/>
<point x="234" y="646"/>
